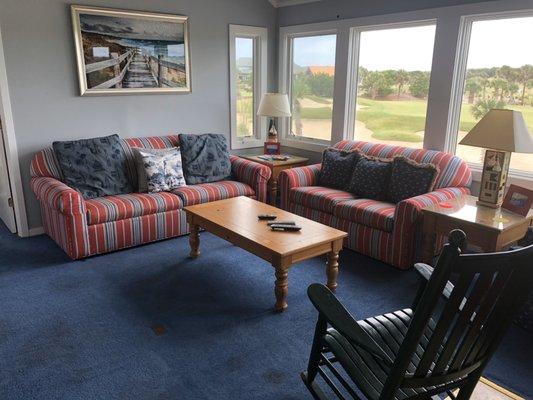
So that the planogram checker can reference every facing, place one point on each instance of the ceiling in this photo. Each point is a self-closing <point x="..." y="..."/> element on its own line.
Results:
<point x="285" y="3"/>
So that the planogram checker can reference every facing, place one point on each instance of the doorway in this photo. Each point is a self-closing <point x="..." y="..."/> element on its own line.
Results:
<point x="7" y="211"/>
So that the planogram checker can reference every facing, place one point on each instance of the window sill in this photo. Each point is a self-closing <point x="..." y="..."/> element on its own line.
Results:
<point x="520" y="178"/>
<point x="310" y="145"/>
<point x="238" y="144"/>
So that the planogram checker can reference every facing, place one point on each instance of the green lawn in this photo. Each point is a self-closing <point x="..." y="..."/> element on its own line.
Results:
<point x="400" y="120"/>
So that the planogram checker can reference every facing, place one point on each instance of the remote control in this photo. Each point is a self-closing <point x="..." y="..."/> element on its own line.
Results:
<point x="266" y="217"/>
<point x="285" y="227"/>
<point x="281" y="223"/>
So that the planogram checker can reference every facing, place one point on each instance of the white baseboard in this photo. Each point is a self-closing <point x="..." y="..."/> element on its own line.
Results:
<point x="36" y="231"/>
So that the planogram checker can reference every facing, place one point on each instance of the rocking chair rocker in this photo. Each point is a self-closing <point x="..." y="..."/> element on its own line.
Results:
<point x="431" y="348"/>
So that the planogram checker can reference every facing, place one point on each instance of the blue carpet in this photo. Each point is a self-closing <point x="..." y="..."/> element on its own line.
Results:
<point x="83" y="330"/>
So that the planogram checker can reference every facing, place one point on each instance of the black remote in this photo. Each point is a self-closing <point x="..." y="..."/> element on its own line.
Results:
<point x="285" y="227"/>
<point x="267" y="217"/>
<point x="281" y="223"/>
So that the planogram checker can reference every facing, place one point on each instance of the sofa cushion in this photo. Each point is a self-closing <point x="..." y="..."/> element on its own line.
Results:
<point x="337" y="168"/>
<point x="372" y="213"/>
<point x="95" y="167"/>
<point x="115" y="208"/>
<point x="205" y="158"/>
<point x="371" y="178"/>
<point x="410" y="179"/>
<point x="206" y="192"/>
<point x="319" y="197"/>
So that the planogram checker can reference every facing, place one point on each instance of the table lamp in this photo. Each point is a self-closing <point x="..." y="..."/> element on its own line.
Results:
<point x="501" y="132"/>
<point x="274" y="105"/>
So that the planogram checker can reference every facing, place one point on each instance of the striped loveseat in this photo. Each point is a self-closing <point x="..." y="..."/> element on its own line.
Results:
<point x="84" y="228"/>
<point x="385" y="231"/>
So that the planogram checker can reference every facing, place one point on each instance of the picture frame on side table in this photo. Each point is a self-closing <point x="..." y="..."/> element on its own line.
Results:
<point x="128" y="52"/>
<point x="518" y="200"/>
<point x="272" y="148"/>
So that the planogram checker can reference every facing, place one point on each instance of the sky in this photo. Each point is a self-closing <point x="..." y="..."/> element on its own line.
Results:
<point x="493" y="43"/>
<point x="244" y="47"/>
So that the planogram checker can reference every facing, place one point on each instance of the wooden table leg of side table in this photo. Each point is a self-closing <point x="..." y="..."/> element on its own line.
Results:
<point x="194" y="241"/>
<point x="273" y="191"/>
<point x="281" y="289"/>
<point x="429" y="236"/>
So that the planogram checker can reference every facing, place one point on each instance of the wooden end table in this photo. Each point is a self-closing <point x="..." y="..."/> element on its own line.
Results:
<point x="489" y="228"/>
<point x="235" y="220"/>
<point x="276" y="167"/>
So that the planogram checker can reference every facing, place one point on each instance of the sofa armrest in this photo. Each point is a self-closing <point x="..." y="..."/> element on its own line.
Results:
<point x="296" y="177"/>
<point x="406" y="233"/>
<point x="254" y="174"/>
<point x="410" y="210"/>
<point x="58" y="196"/>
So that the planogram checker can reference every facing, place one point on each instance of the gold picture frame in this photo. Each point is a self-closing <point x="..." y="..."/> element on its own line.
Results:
<point x="131" y="52"/>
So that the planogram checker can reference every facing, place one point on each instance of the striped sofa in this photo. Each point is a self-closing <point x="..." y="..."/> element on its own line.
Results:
<point x="385" y="231"/>
<point x="83" y="228"/>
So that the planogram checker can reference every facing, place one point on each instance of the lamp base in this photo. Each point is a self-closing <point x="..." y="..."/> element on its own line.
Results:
<point x="494" y="177"/>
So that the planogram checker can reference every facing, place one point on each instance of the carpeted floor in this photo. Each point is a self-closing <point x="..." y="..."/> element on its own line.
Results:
<point x="83" y="330"/>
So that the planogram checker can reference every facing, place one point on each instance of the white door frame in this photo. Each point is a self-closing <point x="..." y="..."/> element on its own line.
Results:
<point x="10" y="143"/>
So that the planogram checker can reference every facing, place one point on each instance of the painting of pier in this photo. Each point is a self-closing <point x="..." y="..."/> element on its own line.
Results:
<point x="131" y="52"/>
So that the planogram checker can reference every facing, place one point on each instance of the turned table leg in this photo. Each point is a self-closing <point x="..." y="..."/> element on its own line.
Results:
<point x="194" y="241"/>
<point x="273" y="191"/>
<point x="332" y="270"/>
<point x="281" y="289"/>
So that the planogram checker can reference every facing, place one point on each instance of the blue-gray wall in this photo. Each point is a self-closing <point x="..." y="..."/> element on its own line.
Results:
<point x="41" y="70"/>
<point x="329" y="10"/>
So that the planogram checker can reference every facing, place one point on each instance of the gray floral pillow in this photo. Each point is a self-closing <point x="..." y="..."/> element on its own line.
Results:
<point x="95" y="167"/>
<point x="159" y="170"/>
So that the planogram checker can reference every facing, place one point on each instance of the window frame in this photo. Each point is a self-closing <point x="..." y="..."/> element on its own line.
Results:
<point x="350" y="113"/>
<point x="459" y="82"/>
<point x="285" y="83"/>
<point x="260" y="71"/>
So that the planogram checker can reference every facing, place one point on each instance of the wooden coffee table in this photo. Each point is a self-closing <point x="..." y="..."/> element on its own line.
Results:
<point x="235" y="220"/>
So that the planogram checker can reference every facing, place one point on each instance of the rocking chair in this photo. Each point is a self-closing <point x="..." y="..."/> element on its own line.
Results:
<point x="433" y="348"/>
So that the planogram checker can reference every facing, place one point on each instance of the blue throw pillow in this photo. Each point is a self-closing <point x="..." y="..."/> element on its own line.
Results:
<point x="205" y="158"/>
<point x="371" y="177"/>
<point x="410" y="179"/>
<point x="95" y="167"/>
<point x="337" y="168"/>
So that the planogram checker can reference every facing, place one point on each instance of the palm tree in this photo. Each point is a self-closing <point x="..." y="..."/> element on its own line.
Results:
<point x="401" y="79"/>
<point x="299" y="90"/>
<point x="525" y="78"/>
<point x="473" y="87"/>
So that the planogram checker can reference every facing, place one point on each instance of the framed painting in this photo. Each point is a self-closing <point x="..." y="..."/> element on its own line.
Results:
<point x="126" y="52"/>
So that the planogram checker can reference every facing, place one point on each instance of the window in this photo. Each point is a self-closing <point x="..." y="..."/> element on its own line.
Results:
<point x="248" y="69"/>
<point x="312" y="74"/>
<point x="392" y="67"/>
<point x="498" y="73"/>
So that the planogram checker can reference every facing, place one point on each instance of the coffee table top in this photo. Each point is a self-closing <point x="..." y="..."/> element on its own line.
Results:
<point x="239" y="216"/>
<point x="276" y="163"/>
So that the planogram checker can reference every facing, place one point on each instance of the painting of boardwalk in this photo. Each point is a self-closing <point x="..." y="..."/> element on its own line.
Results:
<point x="130" y="52"/>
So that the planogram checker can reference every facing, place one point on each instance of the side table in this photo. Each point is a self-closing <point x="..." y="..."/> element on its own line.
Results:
<point x="276" y="167"/>
<point x="491" y="229"/>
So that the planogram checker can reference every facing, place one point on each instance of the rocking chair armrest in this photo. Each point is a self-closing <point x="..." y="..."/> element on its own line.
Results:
<point x="425" y="272"/>
<point x="331" y="309"/>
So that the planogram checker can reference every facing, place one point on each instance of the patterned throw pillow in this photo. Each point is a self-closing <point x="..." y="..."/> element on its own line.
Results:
<point x="161" y="169"/>
<point x="337" y="168"/>
<point x="95" y="167"/>
<point x="410" y="179"/>
<point x="205" y="158"/>
<point x="371" y="177"/>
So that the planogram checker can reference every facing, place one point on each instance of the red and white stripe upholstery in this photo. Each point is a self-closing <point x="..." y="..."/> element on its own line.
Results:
<point x="318" y="197"/>
<point x="385" y="231"/>
<point x="206" y="192"/>
<point x="372" y="213"/>
<point x="84" y="228"/>
<point x="124" y="206"/>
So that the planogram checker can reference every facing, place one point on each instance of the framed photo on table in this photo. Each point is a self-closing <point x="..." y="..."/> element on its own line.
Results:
<point x="518" y="200"/>
<point x="272" y="148"/>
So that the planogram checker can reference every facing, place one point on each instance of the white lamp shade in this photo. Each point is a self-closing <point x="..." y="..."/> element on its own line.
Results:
<point x="274" y="105"/>
<point x="503" y="130"/>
